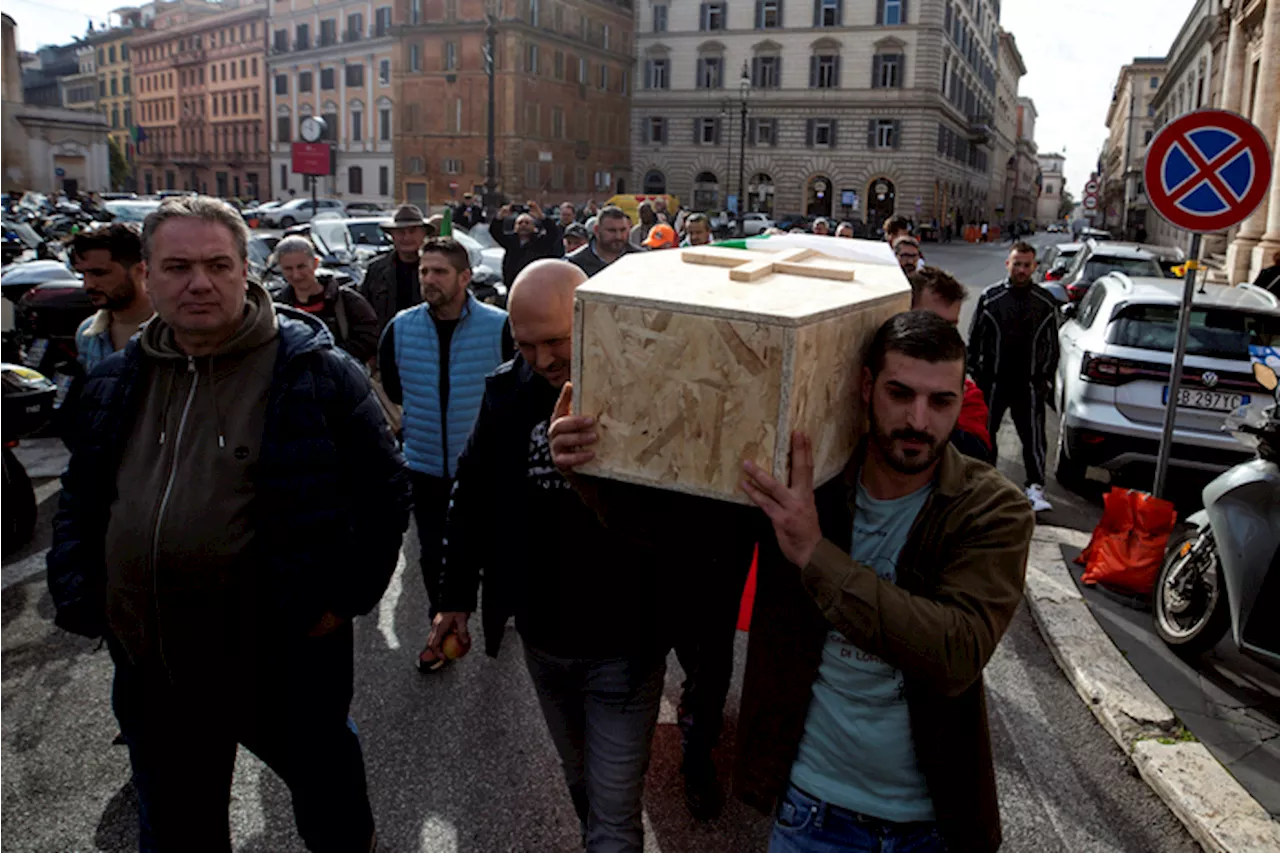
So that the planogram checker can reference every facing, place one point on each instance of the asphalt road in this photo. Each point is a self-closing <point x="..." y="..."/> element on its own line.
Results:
<point x="461" y="761"/>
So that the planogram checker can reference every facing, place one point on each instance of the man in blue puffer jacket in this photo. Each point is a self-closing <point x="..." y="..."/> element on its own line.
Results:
<point x="234" y="500"/>
<point x="433" y="360"/>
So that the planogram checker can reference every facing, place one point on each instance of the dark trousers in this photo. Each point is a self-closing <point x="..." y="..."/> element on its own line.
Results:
<point x="704" y="645"/>
<point x="1025" y="402"/>
<point x="601" y="715"/>
<point x="183" y="741"/>
<point x="430" y="509"/>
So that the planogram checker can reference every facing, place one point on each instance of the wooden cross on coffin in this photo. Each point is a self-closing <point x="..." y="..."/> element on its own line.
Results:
<point x="751" y="266"/>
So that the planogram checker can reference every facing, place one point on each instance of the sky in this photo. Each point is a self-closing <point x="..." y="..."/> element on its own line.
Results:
<point x="1073" y="50"/>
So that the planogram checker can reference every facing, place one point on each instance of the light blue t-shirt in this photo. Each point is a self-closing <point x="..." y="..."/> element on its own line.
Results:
<point x="857" y="750"/>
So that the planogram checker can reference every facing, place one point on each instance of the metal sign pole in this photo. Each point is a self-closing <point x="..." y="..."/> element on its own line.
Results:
<point x="1175" y="377"/>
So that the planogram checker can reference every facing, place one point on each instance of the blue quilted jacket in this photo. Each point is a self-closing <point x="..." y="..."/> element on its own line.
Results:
<point x="433" y="443"/>
<point x="332" y="492"/>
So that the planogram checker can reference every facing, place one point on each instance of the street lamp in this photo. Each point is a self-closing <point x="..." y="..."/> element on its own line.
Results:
<point x="744" y="83"/>
<point x="490" y="50"/>
<point x="726" y="121"/>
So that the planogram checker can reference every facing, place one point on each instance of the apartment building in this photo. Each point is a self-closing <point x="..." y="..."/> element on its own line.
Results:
<point x="200" y="99"/>
<point x="333" y="59"/>
<point x="1130" y="125"/>
<point x="563" y="79"/>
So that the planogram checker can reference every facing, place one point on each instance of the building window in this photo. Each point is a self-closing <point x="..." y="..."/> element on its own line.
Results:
<point x="304" y="81"/>
<point x="883" y="133"/>
<point x="384" y="180"/>
<point x="1155" y="83"/>
<point x="534" y="15"/>
<point x="655" y="130"/>
<point x="709" y="72"/>
<point x="415" y="11"/>
<point x="328" y="32"/>
<point x="827" y="13"/>
<point x="821" y="133"/>
<point x="384" y="124"/>
<point x="766" y="72"/>
<point x="355" y="180"/>
<point x="713" y="16"/>
<point x="451" y="55"/>
<point x="886" y="72"/>
<point x="658" y="74"/>
<point x="531" y="59"/>
<point x="282" y="84"/>
<point x="557" y="123"/>
<point x="706" y="131"/>
<point x="559" y="65"/>
<point x="604" y="36"/>
<point x="1146" y="137"/>
<point x="381" y="21"/>
<point x="384" y="72"/>
<point x="582" y="70"/>
<point x="824" y="72"/>
<point x="415" y="58"/>
<point x="768" y="14"/>
<point x="604" y="76"/>
<point x="357" y="126"/>
<point x="893" y="12"/>
<point x="124" y="84"/>
<point x="284" y="176"/>
<point x="115" y="85"/>
<point x="355" y="27"/>
<point x="284" y="129"/>
<point x="660" y="18"/>
<point x="451" y="167"/>
<point x="326" y="78"/>
<point x="763" y="131"/>
<point x="413" y="165"/>
<point x="355" y="76"/>
<point x="531" y="175"/>
<point x="302" y="37"/>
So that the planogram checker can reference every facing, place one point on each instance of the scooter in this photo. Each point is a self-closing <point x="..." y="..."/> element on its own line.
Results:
<point x="28" y="404"/>
<point x="1224" y="571"/>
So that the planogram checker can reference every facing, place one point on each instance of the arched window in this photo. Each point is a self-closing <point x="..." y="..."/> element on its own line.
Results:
<point x="706" y="191"/>
<point x="655" y="183"/>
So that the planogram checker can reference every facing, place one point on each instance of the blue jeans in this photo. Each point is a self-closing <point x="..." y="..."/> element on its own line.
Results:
<point x="805" y="824"/>
<point x="601" y="715"/>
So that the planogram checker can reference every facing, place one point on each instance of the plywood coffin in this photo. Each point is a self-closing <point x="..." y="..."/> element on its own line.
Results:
<point x="694" y="360"/>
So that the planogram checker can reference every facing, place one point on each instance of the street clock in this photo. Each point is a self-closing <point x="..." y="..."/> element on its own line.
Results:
<point x="312" y="129"/>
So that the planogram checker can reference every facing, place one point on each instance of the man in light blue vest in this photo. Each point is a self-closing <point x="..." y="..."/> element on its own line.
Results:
<point x="434" y="358"/>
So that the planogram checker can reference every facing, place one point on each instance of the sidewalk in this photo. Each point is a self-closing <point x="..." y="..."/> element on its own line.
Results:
<point x="1216" y="809"/>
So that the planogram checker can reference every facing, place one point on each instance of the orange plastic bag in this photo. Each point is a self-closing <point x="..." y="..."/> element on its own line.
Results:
<point x="1128" y="544"/>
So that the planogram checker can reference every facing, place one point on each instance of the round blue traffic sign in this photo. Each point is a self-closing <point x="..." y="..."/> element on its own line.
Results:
<point x="1207" y="170"/>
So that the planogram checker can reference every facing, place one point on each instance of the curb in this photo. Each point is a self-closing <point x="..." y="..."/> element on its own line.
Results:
<point x="1215" y="808"/>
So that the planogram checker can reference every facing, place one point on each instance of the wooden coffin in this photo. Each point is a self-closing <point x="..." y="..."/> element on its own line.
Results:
<point x="694" y="360"/>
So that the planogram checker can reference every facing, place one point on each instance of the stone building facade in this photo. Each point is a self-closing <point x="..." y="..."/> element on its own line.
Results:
<point x="1004" y="162"/>
<point x="1053" y="182"/>
<point x="857" y="111"/>
<point x="333" y="59"/>
<point x="563" y="78"/>
<point x="1130" y="126"/>
<point x="200" y="100"/>
<point x="1192" y="81"/>
<point x="1026" y="168"/>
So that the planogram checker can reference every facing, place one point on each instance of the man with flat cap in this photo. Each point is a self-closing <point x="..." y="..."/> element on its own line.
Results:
<point x="391" y="283"/>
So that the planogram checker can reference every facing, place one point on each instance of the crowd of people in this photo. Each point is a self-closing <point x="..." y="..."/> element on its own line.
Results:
<point x="244" y="468"/>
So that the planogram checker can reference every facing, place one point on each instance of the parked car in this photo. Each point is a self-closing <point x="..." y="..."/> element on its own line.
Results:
<point x="298" y="210"/>
<point x="1055" y="260"/>
<point x="365" y="208"/>
<point x="1097" y="259"/>
<point x="1113" y="376"/>
<point x="755" y="223"/>
<point x="131" y="210"/>
<point x="1167" y="257"/>
<point x="489" y="248"/>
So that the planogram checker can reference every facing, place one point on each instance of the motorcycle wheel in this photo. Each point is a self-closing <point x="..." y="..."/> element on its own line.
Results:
<point x="1190" y="602"/>
<point x="19" y="504"/>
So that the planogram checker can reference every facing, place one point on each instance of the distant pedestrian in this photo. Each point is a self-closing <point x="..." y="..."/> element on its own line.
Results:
<point x="985" y="231"/>
<point x="845" y="229"/>
<point x="1013" y="356"/>
<point x="536" y="236"/>
<point x="697" y="230"/>
<point x="822" y="227"/>
<point x="575" y="237"/>
<point x="895" y="228"/>
<point x="433" y="360"/>
<point x="568" y="215"/>
<point x="469" y="213"/>
<point x="648" y="219"/>
<point x="611" y="241"/>
<point x="880" y="599"/>
<point x="345" y="312"/>
<point x="391" y="282"/>
<point x="265" y="505"/>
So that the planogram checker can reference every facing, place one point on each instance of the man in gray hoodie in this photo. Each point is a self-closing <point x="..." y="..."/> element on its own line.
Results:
<point x="235" y="498"/>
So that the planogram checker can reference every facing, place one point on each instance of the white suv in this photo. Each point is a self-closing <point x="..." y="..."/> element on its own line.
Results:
<point x="1113" y="374"/>
<point x="298" y="210"/>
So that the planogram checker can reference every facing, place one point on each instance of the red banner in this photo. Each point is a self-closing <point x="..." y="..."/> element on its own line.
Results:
<point x="312" y="158"/>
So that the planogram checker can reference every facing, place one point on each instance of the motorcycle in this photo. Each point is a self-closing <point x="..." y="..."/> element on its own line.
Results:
<point x="1224" y="571"/>
<point x="27" y="406"/>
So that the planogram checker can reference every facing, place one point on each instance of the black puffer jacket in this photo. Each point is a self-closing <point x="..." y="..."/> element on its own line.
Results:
<point x="332" y="491"/>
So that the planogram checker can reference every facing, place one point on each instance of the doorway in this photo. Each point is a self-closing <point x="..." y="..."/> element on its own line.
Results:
<point x="881" y="196"/>
<point x="818" y="196"/>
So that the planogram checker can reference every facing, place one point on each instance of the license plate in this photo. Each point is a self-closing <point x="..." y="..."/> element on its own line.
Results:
<point x="35" y="353"/>
<point x="1213" y="401"/>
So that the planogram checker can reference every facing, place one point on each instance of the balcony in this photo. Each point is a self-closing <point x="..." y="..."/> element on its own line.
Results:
<point x="192" y="56"/>
<point x="980" y="129"/>
<point x="349" y="36"/>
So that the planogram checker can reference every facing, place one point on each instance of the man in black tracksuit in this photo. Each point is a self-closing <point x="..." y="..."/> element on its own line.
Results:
<point x="1013" y="356"/>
